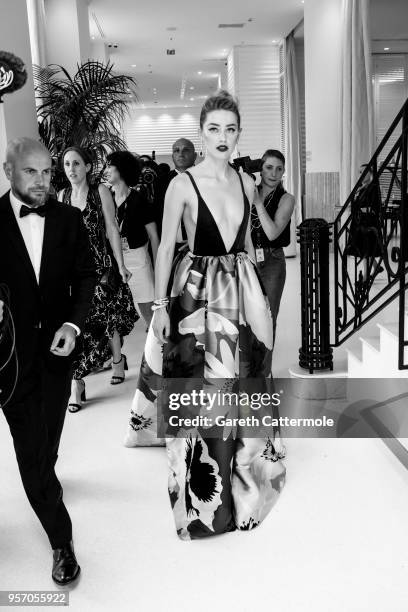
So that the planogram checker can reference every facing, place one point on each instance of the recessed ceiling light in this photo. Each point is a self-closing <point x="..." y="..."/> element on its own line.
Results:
<point x="133" y="65"/>
<point x="200" y="72"/>
<point x="274" y="40"/>
<point x="191" y="99"/>
<point x="93" y="37"/>
<point x="386" y="48"/>
<point x="185" y="106"/>
<point x="191" y="86"/>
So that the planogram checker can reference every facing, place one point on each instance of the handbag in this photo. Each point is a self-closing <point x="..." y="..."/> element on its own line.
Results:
<point x="110" y="279"/>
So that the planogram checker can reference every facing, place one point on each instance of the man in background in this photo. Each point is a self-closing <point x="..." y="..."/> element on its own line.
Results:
<point x="184" y="157"/>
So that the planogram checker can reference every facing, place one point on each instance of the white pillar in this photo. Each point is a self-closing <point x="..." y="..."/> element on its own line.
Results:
<point x="20" y="118"/>
<point x="67" y="29"/>
<point x="36" y="22"/>
<point x="322" y="105"/>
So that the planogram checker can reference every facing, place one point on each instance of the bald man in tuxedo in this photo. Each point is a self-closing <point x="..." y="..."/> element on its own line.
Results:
<point x="47" y="265"/>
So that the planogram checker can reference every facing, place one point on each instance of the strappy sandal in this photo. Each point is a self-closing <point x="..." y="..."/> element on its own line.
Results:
<point x="117" y="379"/>
<point x="75" y="406"/>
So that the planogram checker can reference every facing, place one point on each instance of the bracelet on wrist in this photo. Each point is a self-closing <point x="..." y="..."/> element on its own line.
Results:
<point x="160" y="301"/>
<point x="158" y="306"/>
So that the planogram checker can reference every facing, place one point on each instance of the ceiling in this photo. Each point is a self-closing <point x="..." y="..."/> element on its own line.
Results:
<point x="389" y="19"/>
<point x="143" y="31"/>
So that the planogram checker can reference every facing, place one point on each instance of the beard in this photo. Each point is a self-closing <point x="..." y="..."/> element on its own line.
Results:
<point x="31" y="199"/>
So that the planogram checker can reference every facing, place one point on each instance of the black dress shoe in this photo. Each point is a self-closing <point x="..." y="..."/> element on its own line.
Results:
<point x="65" y="567"/>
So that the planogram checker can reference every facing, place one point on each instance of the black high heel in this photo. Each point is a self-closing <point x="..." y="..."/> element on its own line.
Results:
<point x="75" y="406"/>
<point x="118" y="379"/>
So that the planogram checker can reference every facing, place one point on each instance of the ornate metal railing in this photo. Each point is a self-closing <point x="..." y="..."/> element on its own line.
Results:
<point x="315" y="352"/>
<point x="370" y="242"/>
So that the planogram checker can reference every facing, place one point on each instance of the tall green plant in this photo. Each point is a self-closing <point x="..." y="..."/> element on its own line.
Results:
<point x="86" y="110"/>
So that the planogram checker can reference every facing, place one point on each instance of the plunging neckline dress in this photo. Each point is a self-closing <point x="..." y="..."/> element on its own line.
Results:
<point x="220" y="330"/>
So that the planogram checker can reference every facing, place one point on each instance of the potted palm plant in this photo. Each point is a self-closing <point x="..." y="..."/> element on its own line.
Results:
<point x="85" y="110"/>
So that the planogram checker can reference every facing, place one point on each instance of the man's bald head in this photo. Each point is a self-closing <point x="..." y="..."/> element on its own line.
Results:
<point x="28" y="168"/>
<point x="19" y="147"/>
<point x="184" y="154"/>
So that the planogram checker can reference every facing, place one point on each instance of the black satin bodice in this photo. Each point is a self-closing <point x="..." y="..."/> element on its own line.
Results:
<point x="208" y="239"/>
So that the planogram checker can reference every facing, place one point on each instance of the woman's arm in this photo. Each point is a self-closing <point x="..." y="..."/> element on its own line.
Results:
<point x="273" y="228"/>
<point x="151" y="229"/>
<point x="60" y="195"/>
<point x="112" y="230"/>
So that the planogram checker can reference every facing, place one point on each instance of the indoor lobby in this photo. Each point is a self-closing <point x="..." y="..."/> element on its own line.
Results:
<point x="321" y="81"/>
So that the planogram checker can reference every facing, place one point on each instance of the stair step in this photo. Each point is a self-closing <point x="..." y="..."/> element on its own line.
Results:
<point x="373" y="342"/>
<point x="390" y="328"/>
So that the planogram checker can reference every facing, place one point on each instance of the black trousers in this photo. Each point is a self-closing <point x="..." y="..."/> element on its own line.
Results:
<point x="36" y="417"/>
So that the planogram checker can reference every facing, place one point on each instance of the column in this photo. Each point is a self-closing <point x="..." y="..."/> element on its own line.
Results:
<point x="67" y="33"/>
<point x="322" y="106"/>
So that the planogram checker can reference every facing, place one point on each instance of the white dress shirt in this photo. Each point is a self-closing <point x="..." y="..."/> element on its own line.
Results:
<point x="32" y="231"/>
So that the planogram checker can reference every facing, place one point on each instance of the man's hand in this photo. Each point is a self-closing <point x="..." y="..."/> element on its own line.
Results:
<point x="64" y="341"/>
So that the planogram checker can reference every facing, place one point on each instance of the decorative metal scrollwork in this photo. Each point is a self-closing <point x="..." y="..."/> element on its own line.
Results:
<point x="370" y="243"/>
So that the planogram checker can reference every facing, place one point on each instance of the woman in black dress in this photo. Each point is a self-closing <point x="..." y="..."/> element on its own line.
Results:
<point x="211" y="331"/>
<point x="137" y="225"/>
<point x="112" y="315"/>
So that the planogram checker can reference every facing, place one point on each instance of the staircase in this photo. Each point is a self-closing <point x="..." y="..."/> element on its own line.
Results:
<point x="376" y="354"/>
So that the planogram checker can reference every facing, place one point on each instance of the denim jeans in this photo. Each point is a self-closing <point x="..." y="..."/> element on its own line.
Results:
<point x="273" y="275"/>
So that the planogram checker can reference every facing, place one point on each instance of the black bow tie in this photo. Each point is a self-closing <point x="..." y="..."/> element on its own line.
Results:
<point x="27" y="210"/>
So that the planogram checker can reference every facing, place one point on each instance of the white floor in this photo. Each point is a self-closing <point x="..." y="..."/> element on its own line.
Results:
<point x="337" y="540"/>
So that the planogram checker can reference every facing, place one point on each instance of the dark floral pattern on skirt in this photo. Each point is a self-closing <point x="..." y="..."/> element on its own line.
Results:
<point x="221" y="328"/>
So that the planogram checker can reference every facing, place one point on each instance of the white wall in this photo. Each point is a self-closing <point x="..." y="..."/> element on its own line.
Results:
<point x="157" y="129"/>
<point x="322" y="98"/>
<point x="253" y="76"/>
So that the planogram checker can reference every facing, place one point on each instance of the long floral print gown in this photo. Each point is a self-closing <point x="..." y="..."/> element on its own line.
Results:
<point x="221" y="329"/>
<point x="107" y="312"/>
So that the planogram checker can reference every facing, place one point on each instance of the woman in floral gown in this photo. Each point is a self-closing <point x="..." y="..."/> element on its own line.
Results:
<point x="112" y="315"/>
<point x="215" y="328"/>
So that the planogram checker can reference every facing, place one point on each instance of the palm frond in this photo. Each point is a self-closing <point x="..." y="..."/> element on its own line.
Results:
<point x="86" y="110"/>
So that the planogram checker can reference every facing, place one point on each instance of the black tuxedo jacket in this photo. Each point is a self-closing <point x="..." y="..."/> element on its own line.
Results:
<point x="66" y="282"/>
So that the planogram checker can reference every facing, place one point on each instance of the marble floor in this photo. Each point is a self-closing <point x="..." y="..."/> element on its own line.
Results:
<point x="336" y="541"/>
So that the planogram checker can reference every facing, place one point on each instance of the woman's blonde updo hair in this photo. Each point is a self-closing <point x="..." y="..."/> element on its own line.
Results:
<point x="221" y="100"/>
